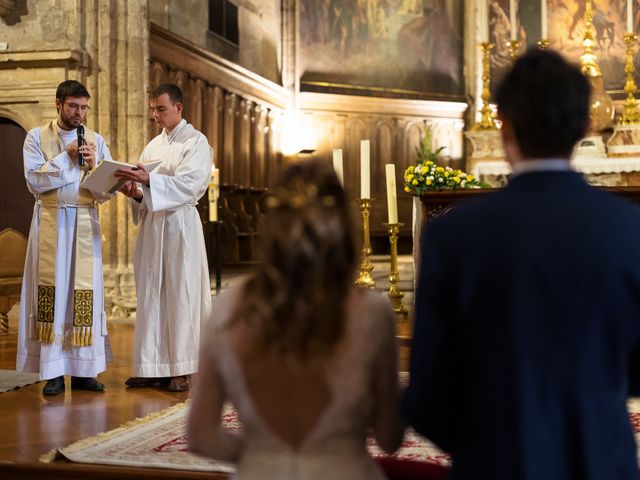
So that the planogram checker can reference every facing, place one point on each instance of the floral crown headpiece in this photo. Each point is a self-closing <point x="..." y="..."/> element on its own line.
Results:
<point x="299" y="194"/>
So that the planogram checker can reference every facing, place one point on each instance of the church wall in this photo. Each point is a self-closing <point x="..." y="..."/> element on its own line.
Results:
<point x="240" y="113"/>
<point x="394" y="128"/>
<point x="37" y="25"/>
<point x="235" y="107"/>
<point x="260" y="41"/>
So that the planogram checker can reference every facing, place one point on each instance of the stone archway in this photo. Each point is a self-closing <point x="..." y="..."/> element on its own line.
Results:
<point x="16" y="202"/>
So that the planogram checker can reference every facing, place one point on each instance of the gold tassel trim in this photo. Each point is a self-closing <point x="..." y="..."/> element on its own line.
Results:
<point x="44" y="332"/>
<point x="82" y="336"/>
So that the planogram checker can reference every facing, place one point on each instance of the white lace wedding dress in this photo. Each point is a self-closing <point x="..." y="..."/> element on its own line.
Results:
<point x="359" y="379"/>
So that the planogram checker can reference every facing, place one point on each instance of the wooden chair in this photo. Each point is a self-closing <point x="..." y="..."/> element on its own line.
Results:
<point x="238" y="231"/>
<point x="13" y="250"/>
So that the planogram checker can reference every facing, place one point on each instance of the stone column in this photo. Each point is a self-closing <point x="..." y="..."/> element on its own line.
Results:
<point x="116" y="40"/>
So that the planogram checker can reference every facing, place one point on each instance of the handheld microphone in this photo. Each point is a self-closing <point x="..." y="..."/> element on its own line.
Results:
<point x="81" y="142"/>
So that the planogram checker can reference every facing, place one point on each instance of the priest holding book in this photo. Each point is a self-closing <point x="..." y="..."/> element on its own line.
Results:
<point x="171" y="271"/>
<point x="62" y="329"/>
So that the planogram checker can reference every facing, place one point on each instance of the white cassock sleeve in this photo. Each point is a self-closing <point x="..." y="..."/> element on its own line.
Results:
<point x="139" y="208"/>
<point x="43" y="176"/>
<point x="186" y="185"/>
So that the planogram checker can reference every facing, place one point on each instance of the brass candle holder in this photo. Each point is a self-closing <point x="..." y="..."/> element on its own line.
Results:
<point x="365" y="279"/>
<point x="394" y="293"/>
<point x="514" y="48"/>
<point x="486" y="122"/>
<point x="544" y="43"/>
<point x="630" y="114"/>
<point x="588" y="61"/>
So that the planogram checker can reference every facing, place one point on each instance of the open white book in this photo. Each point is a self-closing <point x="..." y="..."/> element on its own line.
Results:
<point x="102" y="179"/>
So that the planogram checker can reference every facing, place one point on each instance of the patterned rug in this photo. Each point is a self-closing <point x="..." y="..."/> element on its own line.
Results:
<point x="10" y="380"/>
<point x="159" y="441"/>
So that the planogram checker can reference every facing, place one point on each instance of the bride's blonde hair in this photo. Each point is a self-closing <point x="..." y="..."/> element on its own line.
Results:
<point x="308" y="260"/>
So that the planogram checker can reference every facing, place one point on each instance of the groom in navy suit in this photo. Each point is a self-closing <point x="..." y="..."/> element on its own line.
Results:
<point x="527" y="334"/>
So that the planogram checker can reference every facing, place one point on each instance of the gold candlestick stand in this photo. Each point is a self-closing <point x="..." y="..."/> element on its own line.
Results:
<point x="588" y="61"/>
<point x="365" y="279"/>
<point x="544" y="44"/>
<point x="394" y="293"/>
<point x="630" y="114"/>
<point x="487" y="122"/>
<point x="514" y="47"/>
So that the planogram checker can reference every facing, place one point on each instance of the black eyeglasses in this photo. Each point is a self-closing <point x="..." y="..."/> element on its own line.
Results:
<point x="75" y="106"/>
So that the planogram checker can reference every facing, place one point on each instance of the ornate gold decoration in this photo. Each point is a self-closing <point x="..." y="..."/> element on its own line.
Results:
<point x="394" y="293"/>
<point x="601" y="108"/>
<point x="82" y="319"/>
<point x="544" y="43"/>
<point x="365" y="279"/>
<point x="630" y="114"/>
<point x="588" y="61"/>
<point x="487" y="122"/>
<point x="46" y="312"/>
<point x="46" y="302"/>
<point x="83" y="308"/>
<point x="299" y="195"/>
<point x="514" y="48"/>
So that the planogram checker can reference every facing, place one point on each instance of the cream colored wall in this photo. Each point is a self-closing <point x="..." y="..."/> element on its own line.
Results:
<point x="47" y="25"/>
<point x="260" y="34"/>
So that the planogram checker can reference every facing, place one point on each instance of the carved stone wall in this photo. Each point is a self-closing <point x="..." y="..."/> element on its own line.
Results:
<point x="259" y="48"/>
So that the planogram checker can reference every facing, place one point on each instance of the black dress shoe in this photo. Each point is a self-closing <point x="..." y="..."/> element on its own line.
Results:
<point x="86" y="383"/>
<point x="54" y="386"/>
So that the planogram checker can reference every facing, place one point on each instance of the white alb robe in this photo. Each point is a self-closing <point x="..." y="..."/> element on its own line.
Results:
<point x="172" y="276"/>
<point x="51" y="360"/>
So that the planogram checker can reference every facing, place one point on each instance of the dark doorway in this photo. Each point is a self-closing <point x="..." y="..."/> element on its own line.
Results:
<point x="16" y="203"/>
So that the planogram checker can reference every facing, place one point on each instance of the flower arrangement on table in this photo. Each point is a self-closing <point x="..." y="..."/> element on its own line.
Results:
<point x="426" y="175"/>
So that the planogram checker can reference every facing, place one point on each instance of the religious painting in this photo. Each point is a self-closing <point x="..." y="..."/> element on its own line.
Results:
<point x="566" y="29"/>
<point x="396" y="48"/>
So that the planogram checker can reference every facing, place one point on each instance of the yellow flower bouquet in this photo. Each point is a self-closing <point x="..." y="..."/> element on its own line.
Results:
<point x="428" y="176"/>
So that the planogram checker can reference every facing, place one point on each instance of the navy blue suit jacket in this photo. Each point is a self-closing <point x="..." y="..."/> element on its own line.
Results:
<point x="527" y="336"/>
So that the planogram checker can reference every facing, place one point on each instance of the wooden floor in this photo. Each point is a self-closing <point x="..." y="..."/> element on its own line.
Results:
<point x="33" y="424"/>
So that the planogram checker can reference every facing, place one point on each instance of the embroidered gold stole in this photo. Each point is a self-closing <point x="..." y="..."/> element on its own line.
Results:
<point x="80" y="333"/>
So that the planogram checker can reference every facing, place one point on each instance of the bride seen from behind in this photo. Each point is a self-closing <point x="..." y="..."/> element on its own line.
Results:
<point x="307" y="359"/>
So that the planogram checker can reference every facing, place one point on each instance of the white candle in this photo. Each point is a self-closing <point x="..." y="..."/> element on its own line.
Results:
<point x="543" y="19"/>
<point x="337" y="164"/>
<point x="365" y="170"/>
<point x="214" y="193"/>
<point x="392" y="200"/>
<point x="629" y="16"/>
<point x="483" y="14"/>
<point x="512" y="18"/>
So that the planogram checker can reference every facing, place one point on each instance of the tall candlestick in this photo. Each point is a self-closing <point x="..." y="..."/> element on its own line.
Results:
<point x="365" y="170"/>
<point x="214" y="194"/>
<point x="543" y="19"/>
<point x="512" y="19"/>
<point x="631" y="113"/>
<point x="337" y="164"/>
<point x="392" y="200"/>
<point x="483" y="14"/>
<point x="629" y="16"/>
